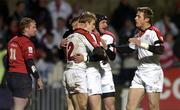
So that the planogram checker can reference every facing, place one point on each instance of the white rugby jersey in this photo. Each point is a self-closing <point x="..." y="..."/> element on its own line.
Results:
<point x="78" y="44"/>
<point x="147" y="58"/>
<point x="109" y="39"/>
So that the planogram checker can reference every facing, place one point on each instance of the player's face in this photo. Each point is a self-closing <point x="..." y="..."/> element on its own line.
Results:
<point x="103" y="25"/>
<point x="91" y="26"/>
<point x="32" y="29"/>
<point x="140" y="20"/>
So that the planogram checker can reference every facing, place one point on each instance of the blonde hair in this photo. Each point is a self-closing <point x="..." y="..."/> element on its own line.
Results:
<point x="86" y="17"/>
<point x="24" y="23"/>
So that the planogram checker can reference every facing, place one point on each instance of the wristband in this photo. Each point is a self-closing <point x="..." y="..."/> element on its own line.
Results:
<point x="85" y="58"/>
<point x="144" y="45"/>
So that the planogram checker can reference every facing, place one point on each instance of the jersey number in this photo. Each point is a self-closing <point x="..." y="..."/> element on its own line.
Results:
<point x="69" y="51"/>
<point x="12" y="53"/>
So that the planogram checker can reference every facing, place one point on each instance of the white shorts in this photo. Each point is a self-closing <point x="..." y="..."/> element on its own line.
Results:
<point x="75" y="81"/>
<point x="151" y="79"/>
<point x="107" y="82"/>
<point x="94" y="81"/>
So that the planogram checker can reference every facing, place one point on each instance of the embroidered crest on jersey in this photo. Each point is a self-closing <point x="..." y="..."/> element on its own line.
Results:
<point x="30" y="49"/>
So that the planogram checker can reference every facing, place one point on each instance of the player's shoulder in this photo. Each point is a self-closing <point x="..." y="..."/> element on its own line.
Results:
<point x="157" y="32"/>
<point x="67" y="33"/>
<point x="72" y="35"/>
<point x="109" y="33"/>
<point x="15" y="38"/>
<point x="155" y="29"/>
<point x="25" y="41"/>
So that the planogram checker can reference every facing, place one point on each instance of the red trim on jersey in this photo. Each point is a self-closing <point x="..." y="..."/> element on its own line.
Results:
<point x="139" y="33"/>
<point x="159" y="35"/>
<point x="97" y="36"/>
<point x="88" y="36"/>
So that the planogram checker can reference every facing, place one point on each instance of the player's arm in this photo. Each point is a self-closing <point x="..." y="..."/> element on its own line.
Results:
<point x="78" y="58"/>
<point x="5" y="61"/>
<point x="98" y="54"/>
<point x="63" y="43"/>
<point x="110" y="53"/>
<point x="28" y="53"/>
<point x="124" y="49"/>
<point x="109" y="49"/>
<point x="156" y="48"/>
<point x="32" y="68"/>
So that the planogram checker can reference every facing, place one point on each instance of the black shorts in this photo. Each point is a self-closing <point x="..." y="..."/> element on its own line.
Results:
<point x="19" y="84"/>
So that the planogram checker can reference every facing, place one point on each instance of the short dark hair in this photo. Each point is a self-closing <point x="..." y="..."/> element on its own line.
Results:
<point x="148" y="13"/>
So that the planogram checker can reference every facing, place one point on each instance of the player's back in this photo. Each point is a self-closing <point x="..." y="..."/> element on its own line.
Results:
<point x="16" y="53"/>
<point x="75" y="46"/>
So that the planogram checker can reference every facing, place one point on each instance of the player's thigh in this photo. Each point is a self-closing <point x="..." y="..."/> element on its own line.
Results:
<point x="135" y="96"/>
<point x="69" y="103"/>
<point x="109" y="100"/>
<point x="80" y="99"/>
<point x="94" y="102"/>
<point x="20" y="103"/>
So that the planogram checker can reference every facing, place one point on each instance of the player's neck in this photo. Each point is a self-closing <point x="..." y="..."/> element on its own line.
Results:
<point x="146" y="26"/>
<point x="25" y="34"/>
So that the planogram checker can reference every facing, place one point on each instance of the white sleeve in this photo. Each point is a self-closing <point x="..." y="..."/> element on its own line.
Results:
<point x="153" y="37"/>
<point x="108" y="40"/>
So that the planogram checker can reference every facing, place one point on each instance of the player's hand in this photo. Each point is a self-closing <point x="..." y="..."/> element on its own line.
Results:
<point x="63" y="43"/>
<point x="78" y="58"/>
<point x="39" y="84"/>
<point x="135" y="41"/>
<point x="99" y="54"/>
<point x="104" y="44"/>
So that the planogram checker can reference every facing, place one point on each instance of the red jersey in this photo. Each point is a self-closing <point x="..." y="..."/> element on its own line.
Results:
<point x="20" y="48"/>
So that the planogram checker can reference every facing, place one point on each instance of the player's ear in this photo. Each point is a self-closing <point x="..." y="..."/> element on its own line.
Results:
<point x="147" y="20"/>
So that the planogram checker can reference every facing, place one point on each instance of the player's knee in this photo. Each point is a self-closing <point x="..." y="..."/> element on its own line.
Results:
<point x="129" y="107"/>
<point x="83" y="106"/>
<point x="153" y="107"/>
<point x="110" y="107"/>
